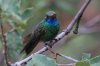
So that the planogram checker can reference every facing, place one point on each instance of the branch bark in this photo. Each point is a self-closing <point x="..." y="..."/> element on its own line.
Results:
<point x="4" y="44"/>
<point x="72" y="64"/>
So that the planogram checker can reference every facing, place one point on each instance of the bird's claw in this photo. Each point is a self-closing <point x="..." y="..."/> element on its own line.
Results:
<point x="47" y="44"/>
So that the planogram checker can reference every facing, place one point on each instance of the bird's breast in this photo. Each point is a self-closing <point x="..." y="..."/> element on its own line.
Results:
<point x="51" y="32"/>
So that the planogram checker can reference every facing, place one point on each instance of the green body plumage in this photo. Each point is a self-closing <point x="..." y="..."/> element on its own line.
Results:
<point x="44" y="31"/>
<point x="51" y="31"/>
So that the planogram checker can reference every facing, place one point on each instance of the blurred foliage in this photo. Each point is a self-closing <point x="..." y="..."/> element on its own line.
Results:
<point x="82" y="63"/>
<point x="95" y="61"/>
<point x="80" y="44"/>
<point x="14" y="45"/>
<point x="23" y="15"/>
<point x="86" y="56"/>
<point x="41" y="60"/>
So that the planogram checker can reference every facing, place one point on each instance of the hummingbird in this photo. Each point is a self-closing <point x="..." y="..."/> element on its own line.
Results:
<point x="45" y="31"/>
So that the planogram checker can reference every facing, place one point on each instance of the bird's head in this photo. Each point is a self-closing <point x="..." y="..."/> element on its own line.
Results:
<point x="50" y="15"/>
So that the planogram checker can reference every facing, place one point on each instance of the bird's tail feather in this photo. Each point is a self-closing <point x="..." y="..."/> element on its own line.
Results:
<point x="30" y="46"/>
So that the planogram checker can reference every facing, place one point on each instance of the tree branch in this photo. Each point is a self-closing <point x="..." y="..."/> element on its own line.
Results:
<point x="68" y="57"/>
<point x="4" y="43"/>
<point x="80" y="15"/>
<point x="59" y="36"/>
<point x="64" y="56"/>
<point x="72" y="64"/>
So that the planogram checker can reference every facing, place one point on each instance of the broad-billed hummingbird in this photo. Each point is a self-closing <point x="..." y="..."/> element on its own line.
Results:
<point x="45" y="31"/>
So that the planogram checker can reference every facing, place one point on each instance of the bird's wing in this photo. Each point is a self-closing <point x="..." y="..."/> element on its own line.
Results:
<point x="33" y="39"/>
<point x="26" y="38"/>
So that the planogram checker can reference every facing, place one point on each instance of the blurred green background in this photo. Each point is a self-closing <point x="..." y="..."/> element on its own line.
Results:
<point x="23" y="15"/>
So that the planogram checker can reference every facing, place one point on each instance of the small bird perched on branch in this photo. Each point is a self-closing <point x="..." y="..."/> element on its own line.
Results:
<point x="45" y="31"/>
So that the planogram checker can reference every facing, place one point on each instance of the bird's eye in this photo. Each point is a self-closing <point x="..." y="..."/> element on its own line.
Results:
<point x="53" y="16"/>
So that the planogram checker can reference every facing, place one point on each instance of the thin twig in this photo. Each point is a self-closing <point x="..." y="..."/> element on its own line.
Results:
<point x="4" y="44"/>
<point x="64" y="56"/>
<point x="81" y="13"/>
<point x="71" y="64"/>
<point x="68" y="57"/>
<point x="59" y="36"/>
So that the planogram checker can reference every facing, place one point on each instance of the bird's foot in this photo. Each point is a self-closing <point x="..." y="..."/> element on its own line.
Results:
<point x="48" y="44"/>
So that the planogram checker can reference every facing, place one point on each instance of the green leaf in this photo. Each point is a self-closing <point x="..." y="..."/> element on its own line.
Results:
<point x="95" y="60"/>
<point x="96" y="64"/>
<point x="12" y="9"/>
<point x="26" y="14"/>
<point x="41" y="60"/>
<point x="9" y="5"/>
<point x="86" y="56"/>
<point x="82" y="63"/>
<point x="14" y="45"/>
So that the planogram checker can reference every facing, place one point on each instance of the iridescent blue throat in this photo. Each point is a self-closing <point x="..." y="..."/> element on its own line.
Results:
<point x="52" y="22"/>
